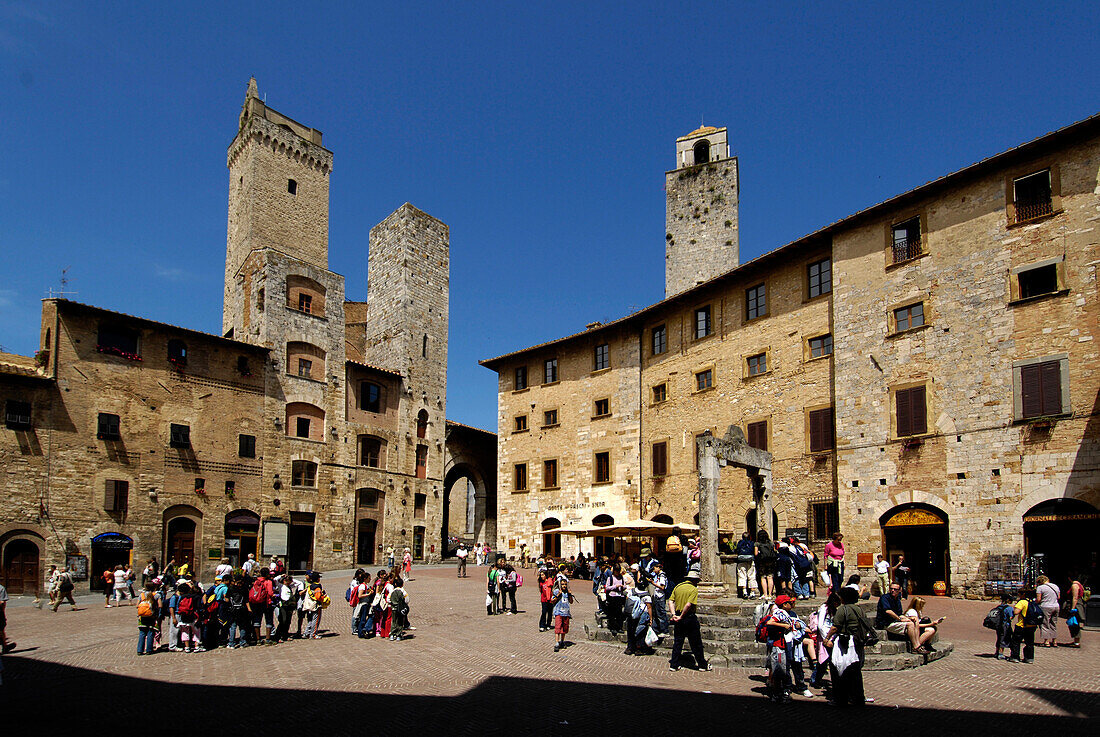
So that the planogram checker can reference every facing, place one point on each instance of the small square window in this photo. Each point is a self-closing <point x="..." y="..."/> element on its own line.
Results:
<point x="230" y="487"/>
<point x="550" y="418"/>
<point x="116" y="495"/>
<point x="602" y="358"/>
<point x="550" y="474"/>
<point x="907" y="318"/>
<point x="1032" y="196"/>
<point x="756" y="302"/>
<point x="301" y="427"/>
<point x="180" y="436"/>
<point x="821" y="346"/>
<point x="660" y="393"/>
<point x="200" y="486"/>
<point x="703" y="326"/>
<point x="757" y="434"/>
<point x="603" y="468"/>
<point x="550" y="372"/>
<point x="826" y="517"/>
<point x="910" y="411"/>
<point x="305" y="303"/>
<point x="519" y="423"/>
<point x="660" y="458"/>
<point x="704" y="379"/>
<point x="303" y="473"/>
<point x="758" y="364"/>
<point x="659" y="336"/>
<point x="822" y="435"/>
<point x="602" y="408"/>
<point x="109" y="427"/>
<point x="520" y="476"/>
<point x="820" y="277"/>
<point x="370" y="452"/>
<point x="1040" y="389"/>
<point x="17" y="415"/>
<point x="370" y="397"/>
<point x="1038" y="281"/>
<point x="246" y="446"/>
<point x="905" y="240"/>
<point x="520" y="378"/>
<point x="305" y="367"/>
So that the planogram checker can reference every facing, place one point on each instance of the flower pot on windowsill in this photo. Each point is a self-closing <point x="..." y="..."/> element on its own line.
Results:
<point x="200" y="492"/>
<point x="1042" y="423"/>
<point x="912" y="443"/>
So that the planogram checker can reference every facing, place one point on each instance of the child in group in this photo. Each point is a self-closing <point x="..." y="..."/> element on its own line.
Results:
<point x="562" y="599"/>
<point x="1005" y="613"/>
<point x="546" y="595"/>
<point x="187" y="617"/>
<point x="147" y="608"/>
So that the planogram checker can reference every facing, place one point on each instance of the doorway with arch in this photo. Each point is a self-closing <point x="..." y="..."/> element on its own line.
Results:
<point x="919" y="532"/>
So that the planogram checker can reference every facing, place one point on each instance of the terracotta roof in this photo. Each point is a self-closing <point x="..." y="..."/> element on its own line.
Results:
<point x="1029" y="148"/>
<point x="375" y="368"/>
<point x="470" y="427"/>
<point x="16" y="365"/>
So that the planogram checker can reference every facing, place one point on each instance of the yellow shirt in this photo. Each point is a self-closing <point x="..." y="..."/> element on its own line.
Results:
<point x="685" y="593"/>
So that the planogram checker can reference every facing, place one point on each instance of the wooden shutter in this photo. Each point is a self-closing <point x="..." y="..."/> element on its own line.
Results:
<point x="904" y="416"/>
<point x="758" y="435"/>
<point x="821" y="430"/>
<point x="1050" y="382"/>
<point x="1031" y="390"/>
<point x="109" y="496"/>
<point x="122" y="495"/>
<point x="918" y="411"/>
<point x="660" y="459"/>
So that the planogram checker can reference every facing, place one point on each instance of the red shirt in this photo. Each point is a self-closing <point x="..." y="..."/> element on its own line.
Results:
<point x="546" y="590"/>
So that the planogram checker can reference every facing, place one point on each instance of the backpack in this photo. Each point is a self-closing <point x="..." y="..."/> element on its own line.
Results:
<point x="236" y="599"/>
<point x="762" y="629"/>
<point x="186" y="607"/>
<point x="993" y="620"/>
<point x="801" y="561"/>
<point x="258" y="593"/>
<point x="211" y="600"/>
<point x="1034" y="615"/>
<point x="145" y="607"/>
<point x="767" y="551"/>
<point x="318" y="595"/>
<point x="347" y="595"/>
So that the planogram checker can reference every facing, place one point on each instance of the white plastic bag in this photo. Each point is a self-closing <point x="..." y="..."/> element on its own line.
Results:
<point x="825" y="578"/>
<point x="650" y="637"/>
<point x="488" y="600"/>
<point x="842" y="658"/>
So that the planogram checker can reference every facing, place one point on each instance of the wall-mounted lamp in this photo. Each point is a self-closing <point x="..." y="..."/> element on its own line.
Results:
<point x="333" y="432"/>
<point x="277" y="483"/>
<point x="278" y="423"/>
<point x="652" y="504"/>
<point x="695" y="499"/>
<point x="153" y="494"/>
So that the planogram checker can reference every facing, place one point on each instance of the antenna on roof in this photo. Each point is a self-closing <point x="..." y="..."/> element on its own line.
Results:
<point x="63" y="292"/>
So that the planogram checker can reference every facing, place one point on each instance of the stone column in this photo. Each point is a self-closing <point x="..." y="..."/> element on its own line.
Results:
<point x="711" y="584"/>
<point x="762" y="488"/>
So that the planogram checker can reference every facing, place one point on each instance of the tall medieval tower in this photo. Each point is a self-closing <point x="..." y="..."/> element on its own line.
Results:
<point x="700" y="211"/>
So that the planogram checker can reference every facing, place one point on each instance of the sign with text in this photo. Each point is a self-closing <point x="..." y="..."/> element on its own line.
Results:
<point x="275" y="535"/>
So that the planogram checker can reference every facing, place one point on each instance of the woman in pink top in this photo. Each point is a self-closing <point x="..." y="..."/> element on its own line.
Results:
<point x="834" y="561"/>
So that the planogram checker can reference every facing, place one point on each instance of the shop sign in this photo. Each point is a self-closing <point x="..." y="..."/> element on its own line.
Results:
<point x="113" y="541"/>
<point x="78" y="567"/>
<point x="914" y="518"/>
<point x="275" y="535"/>
<point x="1061" y="517"/>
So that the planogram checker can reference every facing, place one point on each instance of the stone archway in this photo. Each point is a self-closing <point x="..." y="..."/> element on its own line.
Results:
<point x="918" y="532"/>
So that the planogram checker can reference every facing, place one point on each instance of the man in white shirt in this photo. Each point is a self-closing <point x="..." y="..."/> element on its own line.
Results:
<point x="882" y="571"/>
<point x="250" y="565"/>
<point x="462" y="554"/>
<point x="223" y="569"/>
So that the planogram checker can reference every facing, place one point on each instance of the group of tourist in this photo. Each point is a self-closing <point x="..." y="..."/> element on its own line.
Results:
<point x="1033" y="614"/>
<point x="380" y="608"/>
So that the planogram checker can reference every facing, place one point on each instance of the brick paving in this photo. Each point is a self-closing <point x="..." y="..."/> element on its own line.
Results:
<point x="475" y="674"/>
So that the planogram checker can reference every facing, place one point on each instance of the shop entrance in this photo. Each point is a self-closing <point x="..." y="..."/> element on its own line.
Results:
<point x="300" y="542"/>
<point x="242" y="530"/>
<point x="551" y="541"/>
<point x="364" y="548"/>
<point x="20" y="569"/>
<point x="108" y="550"/>
<point x="1066" y="532"/>
<point x="919" y="533"/>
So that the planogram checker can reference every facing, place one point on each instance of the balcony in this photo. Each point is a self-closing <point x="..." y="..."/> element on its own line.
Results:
<point x="1026" y="211"/>
<point x="907" y="249"/>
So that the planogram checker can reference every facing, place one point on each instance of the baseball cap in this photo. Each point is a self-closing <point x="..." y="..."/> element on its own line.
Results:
<point x="782" y="599"/>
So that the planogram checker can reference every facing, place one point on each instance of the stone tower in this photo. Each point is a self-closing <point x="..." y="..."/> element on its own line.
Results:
<point x="700" y="210"/>
<point x="278" y="195"/>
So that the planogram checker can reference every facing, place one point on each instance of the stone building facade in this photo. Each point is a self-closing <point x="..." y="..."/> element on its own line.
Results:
<point x="923" y="372"/>
<point x="313" y="428"/>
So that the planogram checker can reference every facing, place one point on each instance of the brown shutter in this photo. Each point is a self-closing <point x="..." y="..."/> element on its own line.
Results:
<point x="821" y="430"/>
<point x="918" y="408"/>
<point x="109" y="496"/>
<point x="122" y="495"/>
<point x="1050" y="381"/>
<point x="904" y="412"/>
<point x="1031" y="391"/>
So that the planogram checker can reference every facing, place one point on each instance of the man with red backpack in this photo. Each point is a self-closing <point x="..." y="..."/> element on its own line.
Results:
<point x="259" y="600"/>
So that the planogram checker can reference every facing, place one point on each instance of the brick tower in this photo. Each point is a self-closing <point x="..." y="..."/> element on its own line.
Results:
<point x="700" y="210"/>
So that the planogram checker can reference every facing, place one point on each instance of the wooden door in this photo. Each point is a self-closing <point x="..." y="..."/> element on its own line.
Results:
<point x="181" y="541"/>
<point x="21" y="567"/>
<point x="364" y="554"/>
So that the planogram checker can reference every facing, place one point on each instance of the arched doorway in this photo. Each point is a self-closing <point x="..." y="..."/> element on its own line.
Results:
<point x="1066" y="533"/>
<point x="701" y="151"/>
<point x="369" y="504"/>
<point x="750" y="523"/>
<point x="21" y="567"/>
<point x="242" y="530"/>
<point x="551" y="542"/>
<point x="466" y="508"/>
<point x="918" y="532"/>
<point x="108" y="550"/>
<point x="180" y="537"/>
<point x="603" y="545"/>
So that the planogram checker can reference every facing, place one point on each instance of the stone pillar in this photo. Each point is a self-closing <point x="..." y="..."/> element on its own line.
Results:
<point x="711" y="584"/>
<point x="762" y="490"/>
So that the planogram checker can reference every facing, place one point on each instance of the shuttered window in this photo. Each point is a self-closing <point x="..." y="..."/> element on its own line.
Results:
<point x="660" y="458"/>
<point x="1041" y="387"/>
<point x="758" y="434"/>
<point x="911" y="411"/>
<point x="821" y="430"/>
<point x="116" y="495"/>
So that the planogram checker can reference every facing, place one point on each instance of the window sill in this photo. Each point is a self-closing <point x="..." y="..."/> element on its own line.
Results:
<point x="296" y="311"/>
<point x="521" y="391"/>
<point x="659" y="404"/>
<point x="702" y="391"/>
<point x="811" y="359"/>
<point x="1037" y="297"/>
<point x="551" y="488"/>
<point x="303" y="488"/>
<point x="807" y="300"/>
<point x="521" y="491"/>
<point x="700" y="339"/>
<point x="1032" y="221"/>
<point x="520" y="432"/>
<point x="305" y="378"/>
<point x="306" y="440"/>
<point x="1044" y="420"/>
<point x="602" y="483"/>
<point x="597" y="372"/>
<point x="601" y="417"/>
<point x="750" y="377"/>
<point x="748" y="320"/>
<point x="551" y="383"/>
<point x="815" y="454"/>
<point x="548" y="427"/>
<point x="370" y="468"/>
<point x="910" y="331"/>
<point x="906" y="261"/>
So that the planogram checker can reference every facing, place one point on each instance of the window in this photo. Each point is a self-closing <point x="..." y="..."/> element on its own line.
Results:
<point x="905" y="241"/>
<point x="200" y="486"/>
<point x="246" y="446"/>
<point x="602" y="358"/>
<point x="424" y="347"/>
<point x="521" y="378"/>
<point x="756" y="302"/>
<point x="368" y="498"/>
<point x="301" y="427"/>
<point x="907" y="318"/>
<point x="292" y="186"/>
<point x="701" y="152"/>
<point x="177" y="352"/>
<point x="602" y="408"/>
<point x="603" y="468"/>
<point x="1040" y="388"/>
<point x="422" y="461"/>
<point x="519" y="475"/>
<point x="660" y="458"/>
<point x="370" y="451"/>
<point x="303" y="473"/>
<point x="17" y="415"/>
<point x="305" y="367"/>
<point x="659" y="337"/>
<point x="550" y="374"/>
<point x="660" y="393"/>
<point x="819" y="277"/>
<point x="422" y="424"/>
<point x="242" y="366"/>
<point x="370" y="397"/>
<point x="911" y="411"/>
<point x="550" y="474"/>
<point x="757" y="434"/>
<point x="180" y="436"/>
<point x="704" y="379"/>
<point x="116" y="495"/>
<point x="757" y="364"/>
<point x="820" y="423"/>
<point x="826" y="518"/>
<point x="1031" y="196"/>
<point x="821" y="346"/>
<point x="109" y="428"/>
<point x="118" y="341"/>
<point x="703" y="326"/>
<point x="1037" y="281"/>
<point x="420" y="506"/>
<point x="550" y="418"/>
<point x="230" y="487"/>
<point x="519" y="423"/>
<point x="305" y="303"/>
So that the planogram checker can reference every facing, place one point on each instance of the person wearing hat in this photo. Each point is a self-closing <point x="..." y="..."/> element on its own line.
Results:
<point x="675" y="561"/>
<point x="778" y="624"/>
<point x="645" y="566"/>
<point x="462" y="553"/>
<point x="685" y="623"/>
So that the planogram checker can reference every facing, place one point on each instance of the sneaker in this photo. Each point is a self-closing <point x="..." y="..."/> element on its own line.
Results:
<point x="674" y="668"/>
<point x="200" y="649"/>
<point x="707" y="667"/>
<point x="628" y="651"/>
<point x="1028" y="661"/>
<point x="173" y="649"/>
<point x="807" y="694"/>
<point x="869" y="700"/>
<point x="557" y="647"/>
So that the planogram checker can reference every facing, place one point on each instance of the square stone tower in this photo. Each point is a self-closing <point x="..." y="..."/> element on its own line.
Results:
<point x="700" y="210"/>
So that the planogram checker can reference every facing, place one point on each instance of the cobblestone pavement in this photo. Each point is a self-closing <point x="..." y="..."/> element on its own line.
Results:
<point x="473" y="674"/>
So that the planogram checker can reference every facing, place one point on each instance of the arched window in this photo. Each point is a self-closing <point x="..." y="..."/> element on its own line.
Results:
<point x="662" y="518"/>
<point x="701" y="151"/>
<point x="305" y="360"/>
<point x="603" y="520"/>
<point x="177" y="353"/>
<point x="305" y="421"/>
<point x="422" y="424"/>
<point x="305" y="295"/>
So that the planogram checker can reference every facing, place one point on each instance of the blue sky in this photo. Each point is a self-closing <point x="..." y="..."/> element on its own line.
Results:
<point x="539" y="133"/>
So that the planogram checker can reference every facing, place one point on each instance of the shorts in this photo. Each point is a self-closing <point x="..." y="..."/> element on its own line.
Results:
<point x="765" y="566"/>
<point x="897" y="628"/>
<point x="259" y="615"/>
<point x="561" y="625"/>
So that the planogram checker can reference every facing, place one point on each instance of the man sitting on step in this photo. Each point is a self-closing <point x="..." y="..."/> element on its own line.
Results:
<point x="890" y="618"/>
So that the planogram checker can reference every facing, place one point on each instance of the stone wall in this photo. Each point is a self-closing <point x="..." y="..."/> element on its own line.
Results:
<point x="701" y="223"/>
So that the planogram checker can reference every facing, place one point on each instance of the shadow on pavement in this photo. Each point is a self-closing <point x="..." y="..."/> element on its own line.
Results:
<point x="498" y="705"/>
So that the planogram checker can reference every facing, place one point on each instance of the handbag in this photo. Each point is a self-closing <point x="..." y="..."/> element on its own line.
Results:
<point x="825" y="578"/>
<point x="843" y="654"/>
<point x="650" y="637"/>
